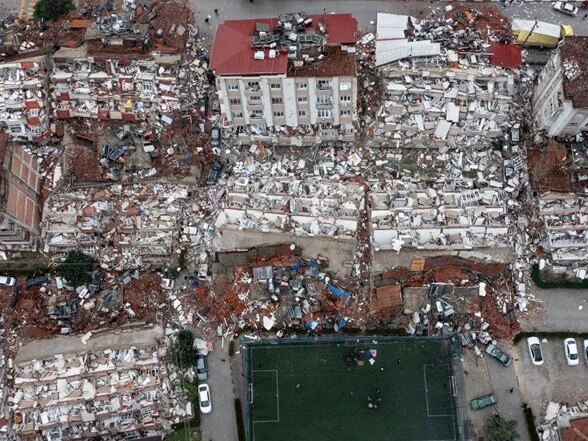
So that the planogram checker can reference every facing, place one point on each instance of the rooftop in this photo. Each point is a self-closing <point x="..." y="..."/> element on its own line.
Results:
<point x="578" y="431"/>
<point x="233" y="53"/>
<point x="574" y="53"/>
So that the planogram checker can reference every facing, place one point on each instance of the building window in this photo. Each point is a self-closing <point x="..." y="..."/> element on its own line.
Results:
<point x="302" y="99"/>
<point x="278" y="114"/>
<point x="14" y="130"/>
<point x="147" y="86"/>
<point x="324" y="113"/>
<point x="305" y="126"/>
<point x="323" y="99"/>
<point x="235" y="101"/>
<point x="254" y="98"/>
<point x="36" y="130"/>
<point x="302" y="113"/>
<point x="276" y="100"/>
<point x="345" y="86"/>
<point x="257" y="114"/>
<point x="275" y="86"/>
<point x="345" y="112"/>
<point x="238" y="115"/>
<point x="253" y="85"/>
<point x="233" y="86"/>
<point x="323" y="84"/>
<point x="345" y="98"/>
<point x="302" y="85"/>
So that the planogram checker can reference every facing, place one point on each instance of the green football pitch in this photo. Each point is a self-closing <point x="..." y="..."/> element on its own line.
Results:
<point x="330" y="391"/>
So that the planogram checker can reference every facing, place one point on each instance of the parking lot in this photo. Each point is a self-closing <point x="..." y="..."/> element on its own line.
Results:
<point x="552" y="381"/>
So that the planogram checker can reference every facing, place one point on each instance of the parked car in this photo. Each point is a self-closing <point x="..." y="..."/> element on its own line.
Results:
<point x="499" y="354"/>
<point x="483" y="401"/>
<point x="203" y="272"/>
<point x="215" y="136"/>
<point x="585" y="345"/>
<point x="571" y="350"/>
<point x="167" y="283"/>
<point x="535" y="351"/>
<point x="566" y="8"/>
<point x="204" y="398"/>
<point x="37" y="280"/>
<point x="7" y="281"/>
<point x="214" y="172"/>
<point x="201" y="367"/>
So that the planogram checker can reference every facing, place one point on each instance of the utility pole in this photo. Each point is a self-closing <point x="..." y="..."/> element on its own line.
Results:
<point x="531" y="31"/>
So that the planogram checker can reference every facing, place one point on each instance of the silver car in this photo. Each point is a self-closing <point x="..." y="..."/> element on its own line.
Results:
<point x="566" y="7"/>
<point x="535" y="351"/>
<point x="7" y="281"/>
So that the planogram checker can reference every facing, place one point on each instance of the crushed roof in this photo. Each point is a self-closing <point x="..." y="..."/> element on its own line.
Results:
<point x="505" y="55"/>
<point x="577" y="432"/>
<point x="574" y="55"/>
<point x="232" y="53"/>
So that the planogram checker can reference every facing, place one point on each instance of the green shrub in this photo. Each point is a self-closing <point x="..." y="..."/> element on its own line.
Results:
<point x="181" y="352"/>
<point x="49" y="10"/>
<point x="76" y="268"/>
<point x="530" y="420"/>
<point x="240" y="423"/>
<point x="561" y="282"/>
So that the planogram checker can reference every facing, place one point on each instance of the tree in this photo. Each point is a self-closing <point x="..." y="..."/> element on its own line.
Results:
<point x="182" y="352"/>
<point x="49" y="10"/>
<point x="76" y="268"/>
<point x="498" y="429"/>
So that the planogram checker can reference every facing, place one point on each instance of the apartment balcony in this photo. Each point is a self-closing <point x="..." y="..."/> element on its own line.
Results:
<point x="324" y="105"/>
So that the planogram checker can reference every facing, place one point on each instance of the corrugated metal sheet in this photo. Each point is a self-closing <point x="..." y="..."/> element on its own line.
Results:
<point x="263" y="272"/>
<point x="388" y="51"/>
<point x="391" y="26"/>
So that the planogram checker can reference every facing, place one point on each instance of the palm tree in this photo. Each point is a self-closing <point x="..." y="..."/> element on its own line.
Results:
<point x="498" y="429"/>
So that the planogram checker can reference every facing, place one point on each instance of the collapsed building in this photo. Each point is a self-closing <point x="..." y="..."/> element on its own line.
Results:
<point x="435" y="96"/>
<point x="290" y="80"/>
<point x="108" y="386"/>
<point x="433" y="218"/>
<point x="302" y="207"/>
<point x="565" y="220"/>
<point x="23" y="104"/>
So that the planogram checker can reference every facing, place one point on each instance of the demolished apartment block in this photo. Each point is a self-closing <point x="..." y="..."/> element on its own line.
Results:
<point x="437" y="97"/>
<point x="311" y="207"/>
<point x="290" y="80"/>
<point x="113" y="87"/>
<point x="131" y="225"/>
<point x="446" y="216"/>
<point x="20" y="197"/>
<point x="23" y="102"/>
<point x="560" y="101"/>
<point x="565" y="219"/>
<point x="106" y="389"/>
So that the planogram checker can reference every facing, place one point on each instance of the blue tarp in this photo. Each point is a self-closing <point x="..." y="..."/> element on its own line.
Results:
<point x="296" y="266"/>
<point x="338" y="291"/>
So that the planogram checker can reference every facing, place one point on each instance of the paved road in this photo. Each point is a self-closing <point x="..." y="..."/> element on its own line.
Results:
<point x="509" y="404"/>
<point x="365" y="11"/>
<point x="221" y="424"/>
<point x="560" y="311"/>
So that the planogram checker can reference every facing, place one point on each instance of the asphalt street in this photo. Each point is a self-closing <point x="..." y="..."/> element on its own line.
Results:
<point x="559" y="310"/>
<point x="365" y="11"/>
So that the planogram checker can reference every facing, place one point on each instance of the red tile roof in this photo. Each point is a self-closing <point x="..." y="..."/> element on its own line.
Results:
<point x="232" y="53"/>
<point x="578" y="431"/>
<point x="505" y="55"/>
<point x="574" y="52"/>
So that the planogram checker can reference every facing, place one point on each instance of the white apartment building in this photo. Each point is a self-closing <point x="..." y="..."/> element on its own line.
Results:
<point x="560" y="101"/>
<point x="296" y="72"/>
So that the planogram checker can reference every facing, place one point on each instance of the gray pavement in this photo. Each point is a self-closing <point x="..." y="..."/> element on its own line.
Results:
<point x="365" y="11"/>
<point x="509" y="404"/>
<point x="552" y="381"/>
<point x="339" y="252"/>
<point x="559" y="310"/>
<point x="221" y="423"/>
<point x="143" y="337"/>
<point x="485" y="376"/>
